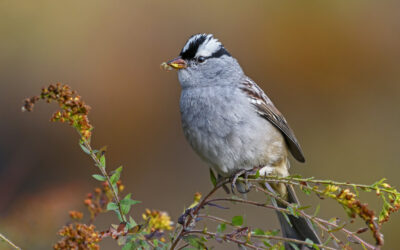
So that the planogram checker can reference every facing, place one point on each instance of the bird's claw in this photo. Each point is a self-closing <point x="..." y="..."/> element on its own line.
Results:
<point x="236" y="176"/>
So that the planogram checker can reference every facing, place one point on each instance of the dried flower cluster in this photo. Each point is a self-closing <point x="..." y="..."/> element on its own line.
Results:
<point x="75" y="215"/>
<point x="78" y="236"/>
<point x="74" y="111"/>
<point x="388" y="207"/>
<point x="96" y="202"/>
<point x="354" y="207"/>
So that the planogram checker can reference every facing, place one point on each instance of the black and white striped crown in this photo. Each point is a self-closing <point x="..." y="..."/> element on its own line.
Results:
<point x="204" y="45"/>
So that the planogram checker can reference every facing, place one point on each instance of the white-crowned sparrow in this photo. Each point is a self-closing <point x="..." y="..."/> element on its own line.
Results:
<point x="232" y="124"/>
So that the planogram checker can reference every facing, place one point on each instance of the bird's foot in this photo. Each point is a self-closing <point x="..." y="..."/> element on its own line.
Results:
<point x="246" y="173"/>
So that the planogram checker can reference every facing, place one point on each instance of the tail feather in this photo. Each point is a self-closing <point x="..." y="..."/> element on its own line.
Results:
<point x="300" y="228"/>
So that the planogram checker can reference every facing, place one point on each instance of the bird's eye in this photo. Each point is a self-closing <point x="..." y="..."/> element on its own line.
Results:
<point x="201" y="59"/>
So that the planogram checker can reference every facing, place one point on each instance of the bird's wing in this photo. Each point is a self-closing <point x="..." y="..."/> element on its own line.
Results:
<point x="267" y="110"/>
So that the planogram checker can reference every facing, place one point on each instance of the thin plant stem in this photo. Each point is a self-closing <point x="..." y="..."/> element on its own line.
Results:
<point x="9" y="241"/>
<point x="104" y="173"/>
<point x="296" y="181"/>
<point x="318" y="219"/>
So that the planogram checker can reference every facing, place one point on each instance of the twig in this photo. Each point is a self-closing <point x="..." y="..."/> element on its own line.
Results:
<point x="104" y="173"/>
<point x="296" y="181"/>
<point x="195" y="212"/>
<point x="271" y="237"/>
<point x="282" y="210"/>
<point x="361" y="241"/>
<point x="229" y="238"/>
<point x="211" y="217"/>
<point x="9" y="241"/>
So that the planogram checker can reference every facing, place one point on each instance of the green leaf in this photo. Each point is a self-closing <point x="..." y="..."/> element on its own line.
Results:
<point x="378" y="183"/>
<point x="272" y="232"/>
<point x="103" y="161"/>
<point x="258" y="231"/>
<point x="112" y="206"/>
<point x="132" y="222"/>
<point x="295" y="247"/>
<point x="155" y="242"/>
<point x="99" y="177"/>
<point x="267" y="243"/>
<point x="194" y="241"/>
<point x="293" y="211"/>
<point x="116" y="175"/>
<point x="317" y="210"/>
<point x="257" y="174"/>
<point x="287" y="219"/>
<point x="306" y="190"/>
<point x="221" y="227"/>
<point x="312" y="243"/>
<point x="84" y="149"/>
<point x="128" y="246"/>
<point x="213" y="178"/>
<point x="126" y="203"/>
<point x="315" y="246"/>
<point x="303" y="207"/>
<point x="237" y="220"/>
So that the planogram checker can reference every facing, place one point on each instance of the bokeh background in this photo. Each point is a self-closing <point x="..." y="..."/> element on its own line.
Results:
<point x="332" y="67"/>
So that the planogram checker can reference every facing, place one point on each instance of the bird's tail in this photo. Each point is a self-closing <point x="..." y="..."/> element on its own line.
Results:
<point x="299" y="228"/>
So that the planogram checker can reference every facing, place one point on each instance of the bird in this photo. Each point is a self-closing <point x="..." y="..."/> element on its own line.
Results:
<point x="232" y="124"/>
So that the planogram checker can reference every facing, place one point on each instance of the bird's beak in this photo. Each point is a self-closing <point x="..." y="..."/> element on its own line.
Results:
<point x="177" y="63"/>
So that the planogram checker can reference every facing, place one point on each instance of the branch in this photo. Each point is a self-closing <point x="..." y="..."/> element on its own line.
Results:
<point x="9" y="242"/>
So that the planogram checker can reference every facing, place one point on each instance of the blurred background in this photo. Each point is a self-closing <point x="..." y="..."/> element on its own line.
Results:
<point x="331" y="67"/>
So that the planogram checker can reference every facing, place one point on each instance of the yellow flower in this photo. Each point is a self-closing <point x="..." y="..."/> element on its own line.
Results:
<point x="157" y="220"/>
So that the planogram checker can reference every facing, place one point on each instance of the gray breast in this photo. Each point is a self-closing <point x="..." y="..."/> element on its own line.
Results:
<point x="223" y="128"/>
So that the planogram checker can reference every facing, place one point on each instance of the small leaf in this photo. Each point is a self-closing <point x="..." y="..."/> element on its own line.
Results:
<point x="237" y="220"/>
<point x="194" y="241"/>
<point x="315" y="246"/>
<point x="267" y="243"/>
<point x="317" y="210"/>
<point x="287" y="219"/>
<point x="303" y="207"/>
<point x="99" y="177"/>
<point x="306" y="190"/>
<point x="84" y="148"/>
<point x="112" y="206"/>
<point x="126" y="203"/>
<point x="294" y="246"/>
<point x="128" y="246"/>
<point x="213" y="178"/>
<point x="272" y="232"/>
<point x="309" y="241"/>
<point x="257" y="174"/>
<point x="221" y="227"/>
<point x="116" y="175"/>
<point x="103" y="161"/>
<point x="293" y="211"/>
<point x="312" y="243"/>
<point x="132" y="222"/>
<point x="258" y="231"/>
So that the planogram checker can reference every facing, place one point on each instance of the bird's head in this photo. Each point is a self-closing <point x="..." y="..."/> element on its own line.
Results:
<point x="203" y="60"/>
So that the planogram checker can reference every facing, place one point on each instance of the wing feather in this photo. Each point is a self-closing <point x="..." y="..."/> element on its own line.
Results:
<point x="267" y="110"/>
